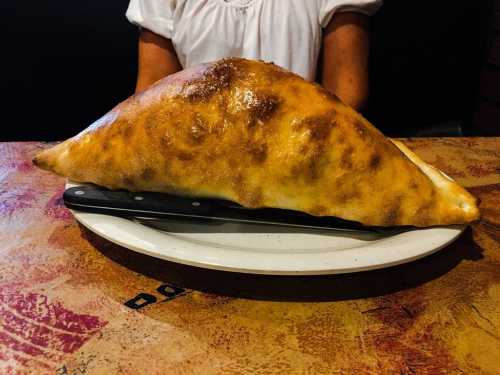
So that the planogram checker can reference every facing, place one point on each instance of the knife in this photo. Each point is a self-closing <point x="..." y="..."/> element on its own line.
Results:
<point x="146" y="206"/>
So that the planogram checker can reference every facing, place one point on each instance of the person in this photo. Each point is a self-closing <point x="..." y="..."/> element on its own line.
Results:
<point x="177" y="34"/>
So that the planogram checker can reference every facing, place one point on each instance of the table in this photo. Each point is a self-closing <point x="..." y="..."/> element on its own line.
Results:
<point x="73" y="303"/>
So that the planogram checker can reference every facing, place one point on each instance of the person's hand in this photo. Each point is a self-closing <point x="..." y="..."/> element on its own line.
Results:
<point x="157" y="59"/>
<point x="345" y="58"/>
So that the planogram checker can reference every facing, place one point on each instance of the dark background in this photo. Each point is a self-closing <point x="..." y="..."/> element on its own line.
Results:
<point x="67" y="63"/>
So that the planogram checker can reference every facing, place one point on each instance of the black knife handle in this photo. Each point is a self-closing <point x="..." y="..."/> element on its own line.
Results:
<point x="91" y="198"/>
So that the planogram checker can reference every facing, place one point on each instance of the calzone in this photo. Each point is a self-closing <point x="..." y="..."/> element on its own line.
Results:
<point x="256" y="134"/>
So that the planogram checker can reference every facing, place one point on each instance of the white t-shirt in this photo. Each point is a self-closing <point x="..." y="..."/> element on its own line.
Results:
<point x="286" y="32"/>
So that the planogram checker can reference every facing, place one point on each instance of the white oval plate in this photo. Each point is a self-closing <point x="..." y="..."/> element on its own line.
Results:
<point x="263" y="249"/>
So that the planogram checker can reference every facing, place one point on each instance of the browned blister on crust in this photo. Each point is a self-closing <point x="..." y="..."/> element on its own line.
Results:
<point x="256" y="134"/>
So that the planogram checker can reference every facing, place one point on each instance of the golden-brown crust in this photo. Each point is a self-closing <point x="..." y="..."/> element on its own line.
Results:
<point x="254" y="133"/>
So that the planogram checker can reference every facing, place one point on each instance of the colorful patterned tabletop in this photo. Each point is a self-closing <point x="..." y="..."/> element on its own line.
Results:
<point x="73" y="303"/>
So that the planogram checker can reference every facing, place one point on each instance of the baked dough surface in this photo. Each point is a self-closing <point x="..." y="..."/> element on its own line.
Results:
<point x="261" y="136"/>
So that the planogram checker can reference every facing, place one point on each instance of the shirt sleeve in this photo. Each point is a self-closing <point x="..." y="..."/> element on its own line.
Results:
<point x="154" y="15"/>
<point x="329" y="7"/>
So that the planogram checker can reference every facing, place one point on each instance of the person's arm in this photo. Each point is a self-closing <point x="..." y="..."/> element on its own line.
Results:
<point x="157" y="59"/>
<point x="345" y="58"/>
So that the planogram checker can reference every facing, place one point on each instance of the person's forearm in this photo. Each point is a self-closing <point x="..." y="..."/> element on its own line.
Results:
<point x="345" y="58"/>
<point x="157" y="59"/>
<point x="353" y="95"/>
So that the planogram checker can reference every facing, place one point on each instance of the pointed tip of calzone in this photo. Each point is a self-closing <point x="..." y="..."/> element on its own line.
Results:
<point x="55" y="159"/>
<point x="43" y="160"/>
<point x="457" y="204"/>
